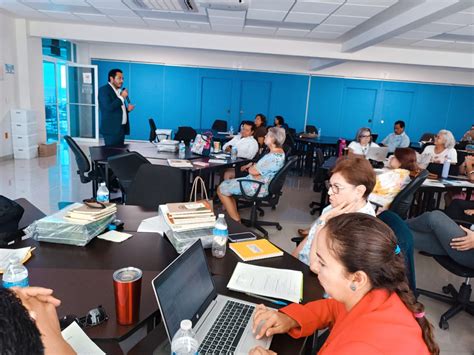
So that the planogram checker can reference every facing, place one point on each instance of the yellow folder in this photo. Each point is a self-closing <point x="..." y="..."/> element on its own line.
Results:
<point x="255" y="249"/>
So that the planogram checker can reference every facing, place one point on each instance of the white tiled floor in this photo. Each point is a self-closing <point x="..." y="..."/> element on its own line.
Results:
<point x="46" y="181"/>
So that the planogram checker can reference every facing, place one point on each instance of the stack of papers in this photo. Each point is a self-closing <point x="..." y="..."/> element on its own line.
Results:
<point x="180" y="163"/>
<point x="188" y="216"/>
<point x="22" y="254"/>
<point x="86" y="213"/>
<point x="153" y="225"/>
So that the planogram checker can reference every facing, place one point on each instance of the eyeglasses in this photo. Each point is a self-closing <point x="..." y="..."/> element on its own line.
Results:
<point x="365" y="136"/>
<point x="94" y="317"/>
<point x="92" y="203"/>
<point x="335" y="188"/>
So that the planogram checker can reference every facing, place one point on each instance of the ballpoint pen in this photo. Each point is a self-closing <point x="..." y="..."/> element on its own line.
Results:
<point x="280" y="303"/>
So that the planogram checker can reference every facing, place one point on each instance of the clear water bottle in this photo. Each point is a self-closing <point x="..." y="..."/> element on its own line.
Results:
<point x="233" y="153"/>
<point x="342" y="147"/>
<point x="219" y="242"/>
<point x="231" y="129"/>
<point x="16" y="274"/>
<point x="319" y="132"/>
<point x="191" y="144"/>
<point x="102" y="193"/>
<point x="181" y="150"/>
<point x="184" y="341"/>
<point x="446" y="166"/>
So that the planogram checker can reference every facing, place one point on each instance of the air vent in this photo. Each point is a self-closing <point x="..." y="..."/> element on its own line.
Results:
<point x="164" y="5"/>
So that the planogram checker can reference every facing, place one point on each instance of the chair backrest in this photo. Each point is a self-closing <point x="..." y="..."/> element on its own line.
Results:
<point x="374" y="137"/>
<point x="220" y="125"/>
<point x="163" y="133"/>
<point x="82" y="161"/>
<point x="125" y="167"/>
<point x="310" y="129"/>
<point x="427" y="137"/>
<point x="155" y="185"/>
<point x="405" y="242"/>
<point x="276" y="185"/>
<point x="185" y="134"/>
<point x="152" y="137"/>
<point x="402" y="202"/>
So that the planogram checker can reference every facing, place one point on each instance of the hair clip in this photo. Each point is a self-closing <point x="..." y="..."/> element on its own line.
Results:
<point x="397" y="250"/>
<point x="419" y="315"/>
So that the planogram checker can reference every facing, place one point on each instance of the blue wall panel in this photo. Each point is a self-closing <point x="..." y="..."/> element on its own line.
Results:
<point x="461" y="110"/>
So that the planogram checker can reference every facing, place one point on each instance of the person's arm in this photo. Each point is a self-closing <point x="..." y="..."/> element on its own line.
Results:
<point x="463" y="243"/>
<point x="468" y="167"/>
<point x="385" y="140"/>
<point x="453" y="156"/>
<point x="405" y="142"/>
<point x="229" y="144"/>
<point x="108" y="101"/>
<point x="247" y="148"/>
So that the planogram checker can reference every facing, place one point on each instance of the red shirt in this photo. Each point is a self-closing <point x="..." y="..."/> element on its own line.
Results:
<point x="379" y="324"/>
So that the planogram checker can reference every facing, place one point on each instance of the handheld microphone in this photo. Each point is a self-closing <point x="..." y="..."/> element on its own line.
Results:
<point x="127" y="98"/>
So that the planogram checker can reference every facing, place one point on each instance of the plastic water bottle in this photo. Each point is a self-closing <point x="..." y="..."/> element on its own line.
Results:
<point x="446" y="166"/>
<point x="16" y="274"/>
<point x="184" y="341"/>
<point x="219" y="243"/>
<point x="233" y="153"/>
<point x="231" y="129"/>
<point x="319" y="132"/>
<point x="102" y="193"/>
<point x="181" y="150"/>
<point x="191" y="144"/>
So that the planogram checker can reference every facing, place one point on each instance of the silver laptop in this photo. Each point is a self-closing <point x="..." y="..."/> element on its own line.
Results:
<point x="377" y="153"/>
<point x="185" y="290"/>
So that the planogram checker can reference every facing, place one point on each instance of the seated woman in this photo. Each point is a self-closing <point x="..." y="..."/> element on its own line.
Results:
<point x="260" y="128"/>
<point x="401" y="167"/>
<point x="372" y="309"/>
<point x="351" y="182"/>
<point x="264" y="171"/>
<point x="437" y="234"/>
<point x="362" y="142"/>
<point x="280" y="122"/>
<point x="469" y="135"/>
<point x="443" y="148"/>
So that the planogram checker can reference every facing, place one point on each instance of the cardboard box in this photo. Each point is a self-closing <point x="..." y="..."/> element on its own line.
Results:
<point x="47" y="149"/>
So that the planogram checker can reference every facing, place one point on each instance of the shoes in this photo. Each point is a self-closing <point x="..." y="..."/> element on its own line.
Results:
<point x="303" y="232"/>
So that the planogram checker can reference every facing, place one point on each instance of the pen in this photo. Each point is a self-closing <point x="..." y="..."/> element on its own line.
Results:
<point x="280" y="303"/>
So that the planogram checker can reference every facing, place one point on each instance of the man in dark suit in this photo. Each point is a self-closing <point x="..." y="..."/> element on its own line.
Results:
<point x="114" y="111"/>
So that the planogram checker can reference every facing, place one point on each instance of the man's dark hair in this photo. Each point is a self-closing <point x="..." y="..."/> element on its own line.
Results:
<point x="400" y="123"/>
<point x="249" y="123"/>
<point x="18" y="332"/>
<point x="113" y="73"/>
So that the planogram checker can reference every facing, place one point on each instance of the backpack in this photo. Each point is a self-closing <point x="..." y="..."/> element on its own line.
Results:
<point x="10" y="215"/>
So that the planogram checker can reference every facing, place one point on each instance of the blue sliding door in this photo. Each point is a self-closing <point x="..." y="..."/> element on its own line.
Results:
<point x="358" y="110"/>
<point x="216" y="100"/>
<point x="254" y="98"/>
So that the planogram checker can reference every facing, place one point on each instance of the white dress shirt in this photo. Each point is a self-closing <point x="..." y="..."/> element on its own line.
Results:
<point x="357" y="148"/>
<point x="124" y="109"/>
<point x="246" y="147"/>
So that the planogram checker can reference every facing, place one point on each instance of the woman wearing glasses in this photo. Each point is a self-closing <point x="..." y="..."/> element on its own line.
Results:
<point x="362" y="143"/>
<point x="351" y="183"/>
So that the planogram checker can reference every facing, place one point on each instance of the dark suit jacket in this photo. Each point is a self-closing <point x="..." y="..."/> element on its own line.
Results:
<point x="111" y="111"/>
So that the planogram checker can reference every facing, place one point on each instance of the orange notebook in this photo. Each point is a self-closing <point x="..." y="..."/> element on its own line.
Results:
<point x="255" y="249"/>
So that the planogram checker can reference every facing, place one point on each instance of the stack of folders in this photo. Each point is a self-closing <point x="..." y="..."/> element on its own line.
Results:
<point x="187" y="216"/>
<point x="180" y="163"/>
<point x="89" y="214"/>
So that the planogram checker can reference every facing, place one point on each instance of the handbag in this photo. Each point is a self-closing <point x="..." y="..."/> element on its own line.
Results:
<point x="193" y="196"/>
<point x="10" y="216"/>
<point x="202" y="144"/>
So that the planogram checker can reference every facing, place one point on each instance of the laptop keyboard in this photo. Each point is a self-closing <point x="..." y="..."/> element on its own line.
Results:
<point x="228" y="328"/>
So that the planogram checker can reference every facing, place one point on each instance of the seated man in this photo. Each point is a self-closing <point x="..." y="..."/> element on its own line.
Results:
<point x="398" y="139"/>
<point x="247" y="146"/>
<point x="468" y="136"/>
<point x="29" y="323"/>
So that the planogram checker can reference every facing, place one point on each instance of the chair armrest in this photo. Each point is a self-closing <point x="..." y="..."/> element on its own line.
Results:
<point x="297" y="240"/>
<point x="254" y="196"/>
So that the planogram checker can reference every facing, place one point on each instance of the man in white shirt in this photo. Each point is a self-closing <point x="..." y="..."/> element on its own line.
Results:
<point x="247" y="146"/>
<point x="398" y="139"/>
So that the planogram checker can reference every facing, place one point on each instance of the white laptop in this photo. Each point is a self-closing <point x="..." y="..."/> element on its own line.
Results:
<point x="377" y="153"/>
<point x="185" y="290"/>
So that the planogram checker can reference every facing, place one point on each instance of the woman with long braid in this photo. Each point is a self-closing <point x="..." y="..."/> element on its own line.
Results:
<point x="371" y="310"/>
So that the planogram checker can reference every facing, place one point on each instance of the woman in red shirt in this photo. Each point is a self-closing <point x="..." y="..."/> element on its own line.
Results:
<point x="371" y="310"/>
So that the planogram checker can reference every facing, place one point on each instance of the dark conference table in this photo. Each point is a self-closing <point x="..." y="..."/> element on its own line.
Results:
<point x="82" y="276"/>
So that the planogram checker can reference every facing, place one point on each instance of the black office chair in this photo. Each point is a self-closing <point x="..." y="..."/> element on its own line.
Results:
<point x="152" y="137"/>
<point x="459" y="300"/>
<point x="125" y="167"/>
<point x="402" y="202"/>
<point x="319" y="182"/>
<point x="220" y="126"/>
<point x="83" y="165"/>
<point x="155" y="185"/>
<point x="427" y="137"/>
<point x="374" y="137"/>
<point x="271" y="200"/>
<point x="311" y="129"/>
<point x="185" y="134"/>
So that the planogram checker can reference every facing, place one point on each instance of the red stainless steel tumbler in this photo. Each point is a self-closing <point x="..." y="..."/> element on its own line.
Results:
<point x="127" y="289"/>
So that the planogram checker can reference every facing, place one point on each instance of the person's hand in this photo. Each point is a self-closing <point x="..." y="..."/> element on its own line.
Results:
<point x="258" y="350"/>
<point x="463" y="243"/>
<point x="267" y="322"/>
<point x="130" y="107"/>
<point x="344" y="207"/>
<point x="228" y="149"/>
<point x="124" y="93"/>
<point x="42" y="294"/>
<point x="469" y="212"/>
<point x="245" y="167"/>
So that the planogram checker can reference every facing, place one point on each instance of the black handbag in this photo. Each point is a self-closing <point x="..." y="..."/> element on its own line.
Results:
<point x="10" y="216"/>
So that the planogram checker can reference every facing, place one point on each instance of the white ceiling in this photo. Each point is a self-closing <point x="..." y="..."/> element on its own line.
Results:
<point x="439" y="24"/>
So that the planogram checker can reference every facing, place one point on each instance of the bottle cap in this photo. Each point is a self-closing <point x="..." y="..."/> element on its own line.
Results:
<point x="221" y="215"/>
<point x="186" y="324"/>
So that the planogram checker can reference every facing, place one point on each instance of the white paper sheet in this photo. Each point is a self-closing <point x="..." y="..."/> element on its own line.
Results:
<point x="432" y="183"/>
<point x="7" y="254"/>
<point x="114" y="236"/>
<point x="266" y="281"/>
<point x="153" y="225"/>
<point x="79" y="340"/>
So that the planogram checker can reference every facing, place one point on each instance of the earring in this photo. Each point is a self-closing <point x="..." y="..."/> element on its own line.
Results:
<point x="353" y="287"/>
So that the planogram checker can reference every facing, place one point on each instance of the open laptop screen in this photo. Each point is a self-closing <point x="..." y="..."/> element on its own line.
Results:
<point x="184" y="289"/>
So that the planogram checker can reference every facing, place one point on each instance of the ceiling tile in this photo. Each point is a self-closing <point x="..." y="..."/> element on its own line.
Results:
<point x="61" y="15"/>
<point x="231" y="21"/>
<point x="129" y="21"/>
<point x="85" y="9"/>
<point x="345" y="20"/>
<point x="227" y="28"/>
<point x="223" y="13"/>
<point x="109" y="4"/>
<point x="318" y="7"/>
<point x="468" y="31"/>
<point x="281" y="5"/>
<point x="259" y="30"/>
<point x="194" y="26"/>
<point x="323" y="35"/>
<point x="438" y="27"/>
<point x="469" y="10"/>
<point x="153" y="22"/>
<point x="430" y="43"/>
<point x="386" y="3"/>
<point x="358" y="10"/>
<point x="399" y="41"/>
<point x="70" y="2"/>
<point x="333" y="28"/>
<point x="301" y="17"/>
<point x="266" y="15"/>
<point x="96" y="18"/>
<point x="459" y="18"/>
<point x="291" y="32"/>
<point x="416" y="35"/>
<point x="464" y="46"/>
<point x="116" y="12"/>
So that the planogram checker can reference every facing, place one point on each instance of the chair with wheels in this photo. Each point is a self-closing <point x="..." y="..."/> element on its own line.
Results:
<point x="220" y="126"/>
<point x="185" y="134"/>
<point x="402" y="202"/>
<point x="83" y="165"/>
<point x="152" y="137"/>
